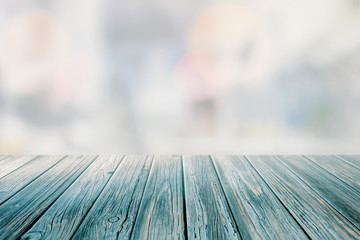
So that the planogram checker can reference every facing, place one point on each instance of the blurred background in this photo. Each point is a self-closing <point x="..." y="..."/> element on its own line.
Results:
<point x="156" y="76"/>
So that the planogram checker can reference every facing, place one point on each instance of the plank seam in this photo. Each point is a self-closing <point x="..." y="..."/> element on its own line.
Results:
<point x="45" y="210"/>
<point x="277" y="197"/>
<point x="87" y="212"/>
<point x="356" y="190"/>
<point x="320" y="195"/>
<point x="344" y="160"/>
<point x="183" y="193"/>
<point x="32" y="180"/>
<point x="142" y="196"/>
<point x="226" y="198"/>
<point x="33" y="159"/>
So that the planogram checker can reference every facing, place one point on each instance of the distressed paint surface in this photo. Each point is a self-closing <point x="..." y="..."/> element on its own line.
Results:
<point x="179" y="197"/>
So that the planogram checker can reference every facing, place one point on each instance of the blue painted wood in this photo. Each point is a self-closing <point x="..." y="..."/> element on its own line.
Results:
<point x="316" y="216"/>
<point x="340" y="195"/>
<point x="113" y="214"/>
<point x="340" y="169"/>
<point x="353" y="159"/>
<point x="177" y="197"/>
<point x="24" y="208"/>
<point x="161" y="213"/>
<point x="61" y="220"/>
<point x="207" y="211"/>
<point x="16" y="180"/>
<point x="256" y="209"/>
<point x="11" y="163"/>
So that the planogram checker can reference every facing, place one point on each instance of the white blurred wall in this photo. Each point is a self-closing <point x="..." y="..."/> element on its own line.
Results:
<point x="161" y="76"/>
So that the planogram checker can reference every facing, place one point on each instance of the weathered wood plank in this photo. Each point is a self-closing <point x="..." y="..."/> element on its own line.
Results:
<point x="114" y="212"/>
<point x="207" y="212"/>
<point x="340" y="195"/>
<point x="20" y="211"/>
<point x="353" y="159"/>
<point x="257" y="211"/>
<point x="63" y="217"/>
<point x="22" y="176"/>
<point x="161" y="213"/>
<point x="10" y="163"/>
<point x="339" y="168"/>
<point x="316" y="216"/>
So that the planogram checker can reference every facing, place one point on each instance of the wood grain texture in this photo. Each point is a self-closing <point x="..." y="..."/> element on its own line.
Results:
<point x="353" y="159"/>
<point x="257" y="211"/>
<point x="161" y="213"/>
<point x="114" y="212"/>
<point x="10" y="163"/>
<point x="20" y="211"/>
<point x="340" y="195"/>
<point x="342" y="170"/>
<point x="174" y="197"/>
<point x="207" y="212"/>
<point x="22" y="176"/>
<point x="316" y="216"/>
<point x="62" y="219"/>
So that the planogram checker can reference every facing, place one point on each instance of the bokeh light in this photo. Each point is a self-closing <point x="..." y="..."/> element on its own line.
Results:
<point x="226" y="44"/>
<point x="108" y="76"/>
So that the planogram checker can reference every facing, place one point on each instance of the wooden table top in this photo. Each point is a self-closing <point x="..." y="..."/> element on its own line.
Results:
<point x="179" y="197"/>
